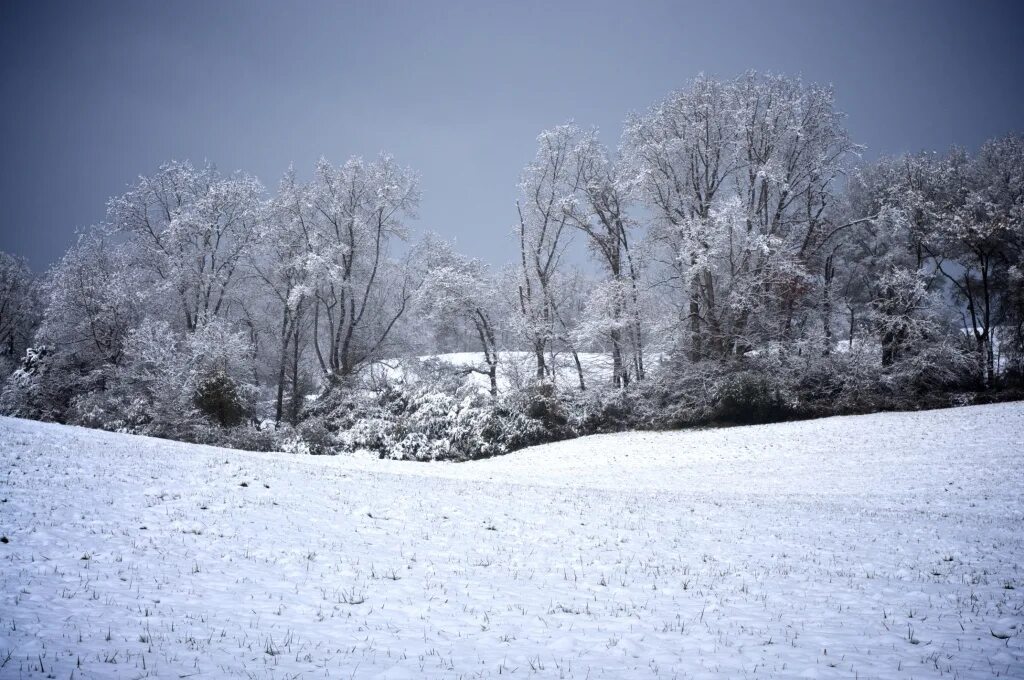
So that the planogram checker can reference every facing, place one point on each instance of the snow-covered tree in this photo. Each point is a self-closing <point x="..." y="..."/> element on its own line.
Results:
<point x="192" y="229"/>
<point x="169" y="382"/>
<point x="458" y="289"/>
<point x="546" y="215"/>
<point x="283" y="262"/>
<point x="599" y="209"/>
<point x="19" y="310"/>
<point x="740" y="176"/>
<point x="999" y="174"/>
<point x="880" y="260"/>
<point x="726" y="232"/>
<point x="977" y="244"/>
<point x="92" y="301"/>
<point x="679" y="156"/>
<point x="353" y="214"/>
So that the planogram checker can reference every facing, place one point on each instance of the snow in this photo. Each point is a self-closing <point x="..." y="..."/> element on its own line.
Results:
<point x="882" y="546"/>
<point x="521" y="366"/>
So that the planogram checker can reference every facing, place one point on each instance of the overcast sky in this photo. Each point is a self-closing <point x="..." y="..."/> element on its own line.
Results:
<point x="94" y="94"/>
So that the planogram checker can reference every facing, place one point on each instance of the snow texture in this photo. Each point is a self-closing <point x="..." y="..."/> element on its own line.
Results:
<point x="881" y="546"/>
<point x="597" y="368"/>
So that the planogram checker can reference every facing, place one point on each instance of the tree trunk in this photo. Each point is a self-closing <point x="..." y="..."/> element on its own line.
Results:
<point x="826" y="311"/>
<point x="296" y="404"/>
<point x="279" y="407"/>
<point x="616" y="337"/>
<point x="579" y="370"/>
<point x="888" y="349"/>
<point x="282" y="368"/>
<point x="538" y="349"/>
<point x="851" y="327"/>
<point x="988" y="355"/>
<point x="492" y="375"/>
<point x="695" y="345"/>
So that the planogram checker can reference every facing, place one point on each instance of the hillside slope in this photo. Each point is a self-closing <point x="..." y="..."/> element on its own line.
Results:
<point x="880" y="546"/>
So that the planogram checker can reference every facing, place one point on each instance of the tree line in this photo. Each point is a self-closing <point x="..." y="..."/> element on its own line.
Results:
<point x="738" y="253"/>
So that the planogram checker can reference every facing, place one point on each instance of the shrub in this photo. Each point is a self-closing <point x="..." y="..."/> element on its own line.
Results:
<point x="431" y="416"/>
<point x="746" y="398"/>
<point x="42" y="388"/>
<point x="223" y="400"/>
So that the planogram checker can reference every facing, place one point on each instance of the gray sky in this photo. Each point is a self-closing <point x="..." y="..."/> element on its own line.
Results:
<point x="96" y="93"/>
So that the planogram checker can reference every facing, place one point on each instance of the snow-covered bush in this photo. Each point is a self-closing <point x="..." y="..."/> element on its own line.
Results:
<point x="248" y="438"/>
<point x="370" y="433"/>
<point x="36" y="389"/>
<point x="223" y="400"/>
<point x="504" y="427"/>
<point x="191" y="387"/>
<point x="747" y="397"/>
<point x="428" y="416"/>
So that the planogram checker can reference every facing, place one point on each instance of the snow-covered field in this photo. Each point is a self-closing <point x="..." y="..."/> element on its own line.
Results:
<point x="884" y="546"/>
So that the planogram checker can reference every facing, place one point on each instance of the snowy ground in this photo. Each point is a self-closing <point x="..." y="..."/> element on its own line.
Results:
<point x="519" y="367"/>
<point x="885" y="546"/>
